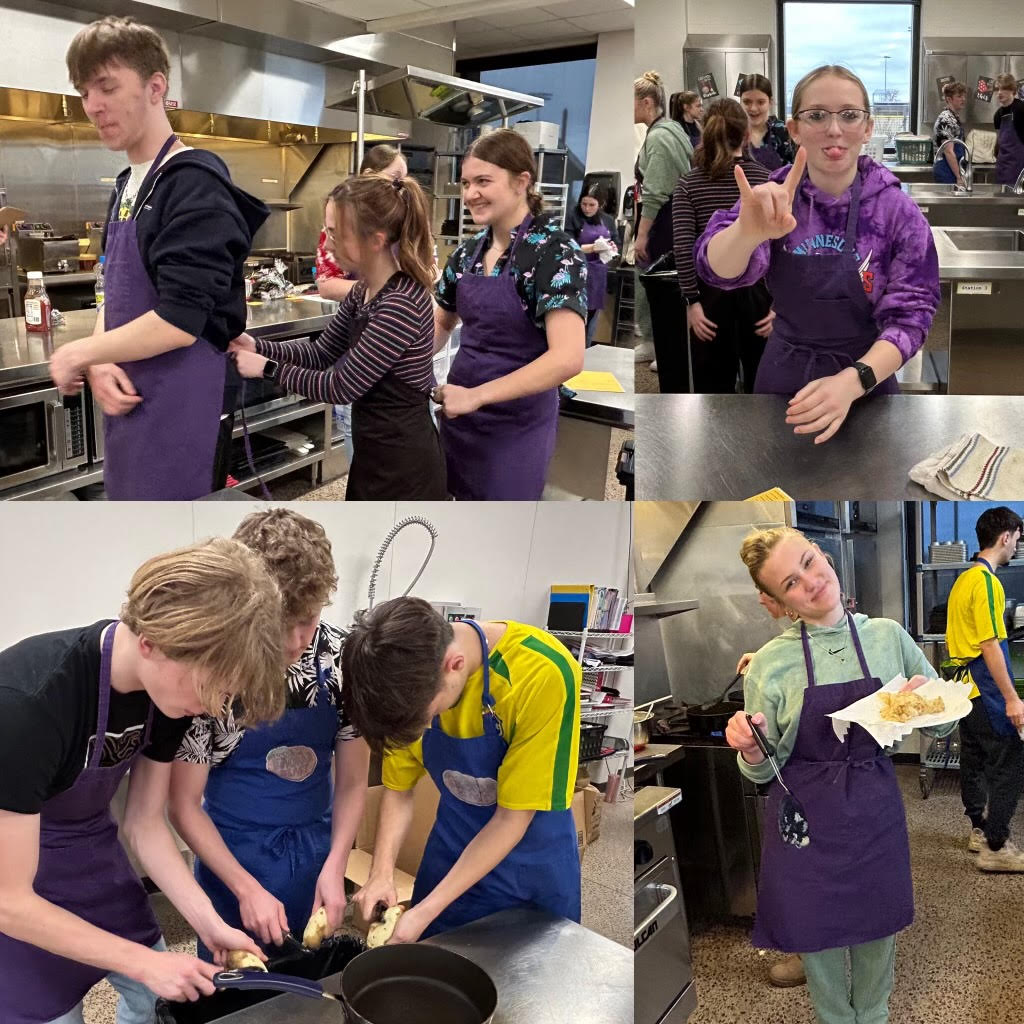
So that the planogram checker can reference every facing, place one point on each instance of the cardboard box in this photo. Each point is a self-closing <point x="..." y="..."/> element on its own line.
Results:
<point x="592" y="800"/>
<point x="539" y="134"/>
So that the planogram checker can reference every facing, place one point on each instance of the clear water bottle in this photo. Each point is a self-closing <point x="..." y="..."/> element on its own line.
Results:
<point x="99" y="283"/>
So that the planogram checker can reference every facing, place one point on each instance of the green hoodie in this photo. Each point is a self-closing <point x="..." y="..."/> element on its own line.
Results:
<point x="777" y="676"/>
<point x="664" y="158"/>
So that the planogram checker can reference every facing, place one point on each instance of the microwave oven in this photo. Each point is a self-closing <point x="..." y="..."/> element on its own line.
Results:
<point x="41" y="434"/>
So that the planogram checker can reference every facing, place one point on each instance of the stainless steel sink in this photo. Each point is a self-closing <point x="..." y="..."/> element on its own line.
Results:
<point x="918" y="191"/>
<point x="985" y="240"/>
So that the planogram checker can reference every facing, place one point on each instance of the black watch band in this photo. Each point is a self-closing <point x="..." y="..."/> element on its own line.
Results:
<point x="868" y="380"/>
<point x="270" y="368"/>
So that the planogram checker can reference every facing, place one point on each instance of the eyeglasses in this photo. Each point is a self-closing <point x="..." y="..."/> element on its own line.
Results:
<point x="847" y="118"/>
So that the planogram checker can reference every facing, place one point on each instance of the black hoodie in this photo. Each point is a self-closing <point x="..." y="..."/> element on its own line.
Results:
<point x="195" y="229"/>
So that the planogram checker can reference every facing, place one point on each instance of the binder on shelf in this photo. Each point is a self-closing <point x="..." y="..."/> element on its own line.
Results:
<point x="569" y="607"/>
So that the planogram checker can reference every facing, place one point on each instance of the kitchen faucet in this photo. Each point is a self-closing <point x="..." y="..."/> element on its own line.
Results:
<point x="1018" y="189"/>
<point x="966" y="166"/>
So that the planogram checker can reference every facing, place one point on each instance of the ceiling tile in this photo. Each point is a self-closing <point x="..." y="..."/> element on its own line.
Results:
<point x="381" y="8"/>
<point x="553" y="30"/>
<point x="513" y="19"/>
<point x="576" y="8"/>
<point x="474" y="25"/>
<point x="613" y="21"/>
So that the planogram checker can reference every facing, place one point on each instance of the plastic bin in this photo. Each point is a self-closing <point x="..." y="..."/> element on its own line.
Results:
<point x="591" y="737"/>
<point x="913" y="149"/>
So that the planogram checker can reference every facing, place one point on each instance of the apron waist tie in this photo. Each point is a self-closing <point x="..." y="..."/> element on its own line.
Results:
<point x="833" y="361"/>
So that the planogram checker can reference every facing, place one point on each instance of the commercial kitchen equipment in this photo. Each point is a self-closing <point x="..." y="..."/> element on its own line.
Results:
<point x="714" y="64"/>
<point x="995" y="206"/>
<point x="526" y="953"/>
<point x="735" y="446"/>
<point x="663" y="970"/>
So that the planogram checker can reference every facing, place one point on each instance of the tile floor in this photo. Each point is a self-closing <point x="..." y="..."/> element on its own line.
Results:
<point x="959" y="963"/>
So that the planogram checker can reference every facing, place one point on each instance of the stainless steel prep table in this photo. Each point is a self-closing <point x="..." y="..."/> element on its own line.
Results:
<point x="716" y="447"/>
<point x="580" y="463"/>
<point x="547" y="971"/>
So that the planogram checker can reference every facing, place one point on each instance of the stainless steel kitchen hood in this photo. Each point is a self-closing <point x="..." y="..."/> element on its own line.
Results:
<point x="417" y="94"/>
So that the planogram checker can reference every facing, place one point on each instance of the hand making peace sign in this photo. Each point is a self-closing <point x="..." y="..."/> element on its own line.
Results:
<point x="766" y="210"/>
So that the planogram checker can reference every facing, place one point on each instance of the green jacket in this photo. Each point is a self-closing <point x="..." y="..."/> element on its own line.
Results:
<point x="777" y="676"/>
<point x="664" y="158"/>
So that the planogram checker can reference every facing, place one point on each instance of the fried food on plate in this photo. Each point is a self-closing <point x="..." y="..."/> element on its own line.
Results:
<point x="902" y="707"/>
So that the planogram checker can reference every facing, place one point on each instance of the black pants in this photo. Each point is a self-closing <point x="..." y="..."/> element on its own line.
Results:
<point x="668" y="324"/>
<point x="991" y="772"/>
<point x="736" y="349"/>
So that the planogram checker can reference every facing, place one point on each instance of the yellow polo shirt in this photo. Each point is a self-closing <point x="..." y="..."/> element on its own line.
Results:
<point x="974" y="614"/>
<point x="535" y="682"/>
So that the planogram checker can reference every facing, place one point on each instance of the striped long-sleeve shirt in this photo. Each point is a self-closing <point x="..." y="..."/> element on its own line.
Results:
<point x="398" y="338"/>
<point x="694" y="201"/>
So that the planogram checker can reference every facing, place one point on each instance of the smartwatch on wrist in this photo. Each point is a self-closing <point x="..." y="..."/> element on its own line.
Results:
<point x="867" y="376"/>
<point x="270" y="368"/>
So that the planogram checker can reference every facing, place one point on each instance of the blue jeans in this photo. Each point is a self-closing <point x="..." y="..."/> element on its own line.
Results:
<point x="941" y="171"/>
<point x="137" y="1004"/>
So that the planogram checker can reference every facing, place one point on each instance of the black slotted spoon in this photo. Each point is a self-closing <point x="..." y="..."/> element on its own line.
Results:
<point x="793" y="827"/>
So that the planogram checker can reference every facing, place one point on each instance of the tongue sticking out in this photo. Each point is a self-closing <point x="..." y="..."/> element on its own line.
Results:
<point x="834" y="152"/>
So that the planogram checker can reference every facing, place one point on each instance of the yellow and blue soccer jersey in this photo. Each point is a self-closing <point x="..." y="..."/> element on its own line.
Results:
<point x="975" y="614"/>
<point x="535" y="682"/>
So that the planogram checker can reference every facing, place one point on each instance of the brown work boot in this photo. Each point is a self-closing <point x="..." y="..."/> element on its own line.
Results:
<point x="976" y="840"/>
<point x="787" y="973"/>
<point x="1007" y="858"/>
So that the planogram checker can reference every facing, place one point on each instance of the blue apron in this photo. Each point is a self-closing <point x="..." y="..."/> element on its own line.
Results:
<point x="542" y="870"/>
<point x="271" y="802"/>
<point x="991" y="696"/>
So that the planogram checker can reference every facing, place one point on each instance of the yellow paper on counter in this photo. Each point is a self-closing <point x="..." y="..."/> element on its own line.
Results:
<point x="595" y="380"/>
<point x="775" y="494"/>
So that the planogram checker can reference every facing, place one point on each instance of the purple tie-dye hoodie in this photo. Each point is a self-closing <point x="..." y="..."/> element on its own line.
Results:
<point x="901" y="276"/>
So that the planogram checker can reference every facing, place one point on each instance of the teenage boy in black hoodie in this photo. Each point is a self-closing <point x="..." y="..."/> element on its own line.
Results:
<point x="178" y="232"/>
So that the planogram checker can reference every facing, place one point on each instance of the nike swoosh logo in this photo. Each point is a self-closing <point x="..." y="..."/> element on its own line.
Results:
<point x="837" y="650"/>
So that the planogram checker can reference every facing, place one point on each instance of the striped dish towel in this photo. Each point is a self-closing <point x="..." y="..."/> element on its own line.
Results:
<point x="975" y="469"/>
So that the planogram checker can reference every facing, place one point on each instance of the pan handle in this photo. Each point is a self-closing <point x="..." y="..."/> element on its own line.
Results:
<point x="255" y="980"/>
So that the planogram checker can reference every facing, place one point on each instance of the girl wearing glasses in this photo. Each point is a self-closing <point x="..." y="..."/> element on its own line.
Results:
<point x="848" y="258"/>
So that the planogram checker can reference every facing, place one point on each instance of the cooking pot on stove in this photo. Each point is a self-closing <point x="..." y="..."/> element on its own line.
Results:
<point x="641" y="730"/>
<point x="713" y="717"/>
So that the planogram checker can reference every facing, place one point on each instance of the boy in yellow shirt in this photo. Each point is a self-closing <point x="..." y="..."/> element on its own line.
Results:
<point x="491" y="711"/>
<point x="991" y="751"/>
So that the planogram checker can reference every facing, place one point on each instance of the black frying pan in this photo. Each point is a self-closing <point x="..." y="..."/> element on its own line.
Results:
<point x="403" y="984"/>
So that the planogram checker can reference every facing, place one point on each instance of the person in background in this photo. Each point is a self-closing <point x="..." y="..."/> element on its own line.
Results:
<point x="200" y="627"/>
<point x="991" y="750"/>
<point x="177" y="235"/>
<point x="491" y="711"/>
<point x="853" y="876"/>
<point x="948" y="125"/>
<point x="255" y="805"/>
<point x="728" y="327"/>
<point x="770" y="143"/>
<point x="520" y="289"/>
<point x="848" y="256"/>
<point x="664" y="157"/>
<point x="1009" y="124"/>
<point x="587" y="223"/>
<point x="3" y="235"/>
<point x="334" y="283"/>
<point x="687" y="109"/>
<point x="377" y="352"/>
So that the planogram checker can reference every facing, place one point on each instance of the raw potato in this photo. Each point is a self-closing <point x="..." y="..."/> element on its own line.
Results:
<point x="240" y="960"/>
<point x="381" y="932"/>
<point x="316" y="930"/>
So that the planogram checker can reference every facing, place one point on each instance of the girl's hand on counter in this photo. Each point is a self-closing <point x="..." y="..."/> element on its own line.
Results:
<point x="823" y="404"/>
<point x="456" y="401"/>
<point x="243" y="343"/>
<point x="178" y="976"/>
<point x="113" y="389"/>
<point x="67" y="369"/>
<point x="766" y="210"/>
<point x="250" y="364"/>
<point x="263" y="914"/>
<point x="739" y="736"/>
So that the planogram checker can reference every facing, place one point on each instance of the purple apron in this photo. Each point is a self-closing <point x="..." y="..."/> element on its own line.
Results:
<point x="824" y="320"/>
<point x="163" y="450"/>
<point x="500" y="452"/>
<point x="597" y="272"/>
<point x="84" y="869"/>
<point x="767" y="157"/>
<point x="1010" y="159"/>
<point x="852" y="883"/>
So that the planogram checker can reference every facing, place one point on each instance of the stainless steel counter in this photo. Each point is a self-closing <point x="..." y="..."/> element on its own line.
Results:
<point x="24" y="357"/>
<point x="961" y="264"/>
<point x="547" y="971"/>
<point x="612" y="408"/>
<point x="716" y="447"/>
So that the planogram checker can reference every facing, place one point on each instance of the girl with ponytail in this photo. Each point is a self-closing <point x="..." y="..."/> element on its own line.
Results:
<point x="727" y="329"/>
<point x="520" y="289"/>
<point x="377" y="352"/>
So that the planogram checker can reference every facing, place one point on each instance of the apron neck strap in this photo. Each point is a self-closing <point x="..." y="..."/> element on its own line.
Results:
<point x="154" y="169"/>
<point x="809" y="661"/>
<point x="520" y="235"/>
<point x="486" y="665"/>
<point x="853" y="214"/>
<point x="103" y="709"/>
<point x="860" y="650"/>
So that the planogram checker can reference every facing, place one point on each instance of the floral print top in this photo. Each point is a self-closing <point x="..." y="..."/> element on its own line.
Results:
<point x="549" y="270"/>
